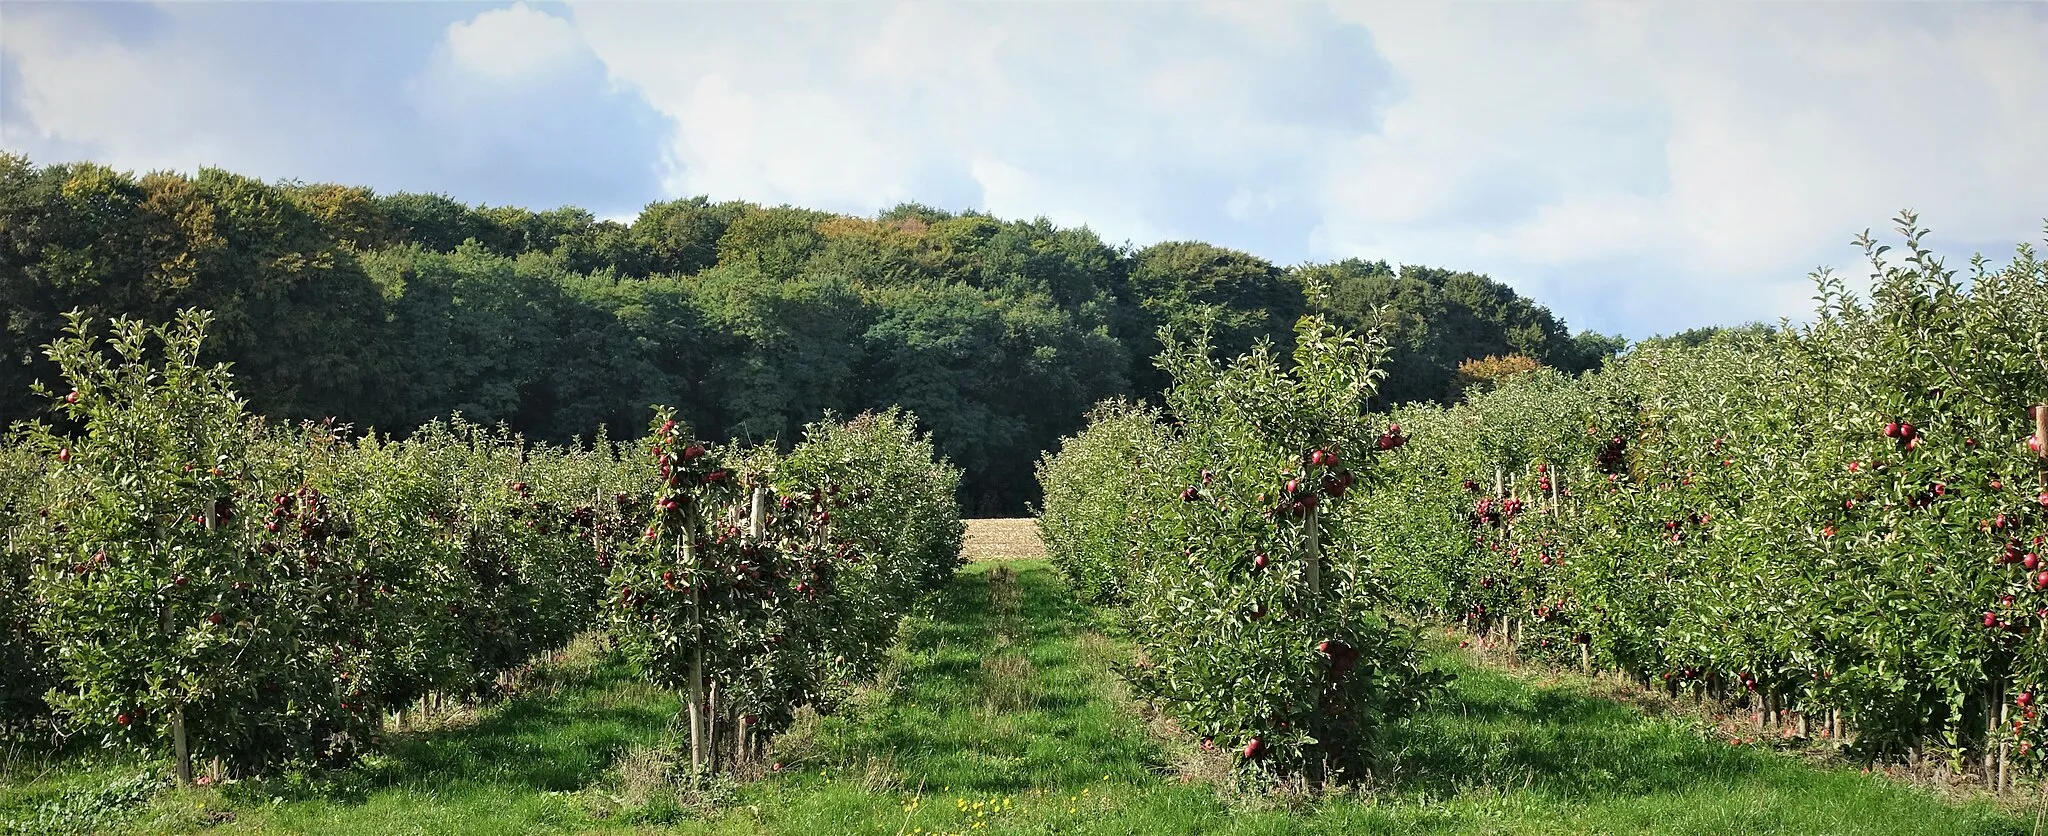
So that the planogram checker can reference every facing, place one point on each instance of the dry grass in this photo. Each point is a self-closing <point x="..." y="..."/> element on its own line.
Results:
<point x="1005" y="539"/>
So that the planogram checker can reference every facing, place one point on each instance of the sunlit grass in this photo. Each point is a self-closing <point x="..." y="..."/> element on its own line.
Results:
<point x="999" y="714"/>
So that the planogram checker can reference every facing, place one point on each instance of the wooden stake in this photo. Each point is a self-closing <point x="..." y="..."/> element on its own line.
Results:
<point x="697" y="652"/>
<point x="2041" y="441"/>
<point x="1314" y="556"/>
<point x="757" y="518"/>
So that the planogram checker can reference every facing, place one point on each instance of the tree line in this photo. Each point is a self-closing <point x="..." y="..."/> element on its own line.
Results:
<point x="391" y="310"/>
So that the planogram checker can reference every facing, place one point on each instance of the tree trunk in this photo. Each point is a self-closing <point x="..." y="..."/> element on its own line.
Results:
<point x="1990" y="757"/>
<point x="711" y="727"/>
<point x="180" y="748"/>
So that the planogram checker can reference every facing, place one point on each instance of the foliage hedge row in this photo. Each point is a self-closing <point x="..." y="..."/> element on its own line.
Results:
<point x="1838" y="524"/>
<point x="1212" y="535"/>
<point x="279" y="591"/>
<point x="1841" y="525"/>
<point x="389" y="310"/>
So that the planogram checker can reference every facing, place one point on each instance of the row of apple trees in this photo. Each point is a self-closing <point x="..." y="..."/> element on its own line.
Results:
<point x="1209" y="530"/>
<point x="762" y="584"/>
<point x="1841" y="526"/>
<point x="181" y="574"/>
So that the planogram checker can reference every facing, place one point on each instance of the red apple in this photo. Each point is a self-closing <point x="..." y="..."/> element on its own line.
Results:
<point x="1254" y="748"/>
<point x="121" y="719"/>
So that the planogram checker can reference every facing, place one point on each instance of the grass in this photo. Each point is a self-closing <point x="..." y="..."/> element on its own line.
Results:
<point x="999" y="713"/>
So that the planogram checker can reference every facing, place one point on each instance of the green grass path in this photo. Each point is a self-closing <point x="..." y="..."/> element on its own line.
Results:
<point x="1000" y="714"/>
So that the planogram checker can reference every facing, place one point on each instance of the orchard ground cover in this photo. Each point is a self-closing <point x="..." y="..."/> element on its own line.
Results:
<point x="999" y="710"/>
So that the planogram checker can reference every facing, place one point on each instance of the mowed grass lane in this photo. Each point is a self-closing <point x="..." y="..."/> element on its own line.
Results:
<point x="1000" y="713"/>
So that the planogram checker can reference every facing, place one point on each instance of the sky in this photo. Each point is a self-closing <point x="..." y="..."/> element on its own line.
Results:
<point x="1637" y="167"/>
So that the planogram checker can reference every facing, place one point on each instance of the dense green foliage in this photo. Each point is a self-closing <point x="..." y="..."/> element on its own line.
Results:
<point x="181" y="572"/>
<point x="1839" y="521"/>
<point x="1840" y="525"/>
<point x="387" y="311"/>
<point x="1003" y="715"/>
<point x="1213" y="535"/>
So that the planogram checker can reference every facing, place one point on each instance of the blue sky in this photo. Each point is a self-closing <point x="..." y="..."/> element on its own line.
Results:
<point x="1638" y="167"/>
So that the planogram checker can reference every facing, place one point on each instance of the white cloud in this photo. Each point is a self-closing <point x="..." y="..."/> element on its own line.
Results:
<point x="369" y="94"/>
<point x="1638" y="167"/>
<point x="142" y="107"/>
<point x="513" y="42"/>
<point x="1778" y="132"/>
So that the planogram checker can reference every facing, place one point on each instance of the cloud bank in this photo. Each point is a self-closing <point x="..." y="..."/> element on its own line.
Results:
<point x="1639" y="168"/>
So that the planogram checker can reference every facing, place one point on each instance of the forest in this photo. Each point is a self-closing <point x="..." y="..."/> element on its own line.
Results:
<point x="388" y="311"/>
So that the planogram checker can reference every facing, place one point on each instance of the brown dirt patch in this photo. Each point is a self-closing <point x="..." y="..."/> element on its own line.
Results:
<point x="1004" y="539"/>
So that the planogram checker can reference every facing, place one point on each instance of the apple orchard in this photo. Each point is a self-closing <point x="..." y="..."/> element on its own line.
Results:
<point x="1841" y="526"/>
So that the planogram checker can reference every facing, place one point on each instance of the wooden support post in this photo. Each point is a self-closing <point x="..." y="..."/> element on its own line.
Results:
<point x="1314" y="556"/>
<point x="2041" y="442"/>
<point x="696" y="696"/>
<point x="757" y="516"/>
<point x="1314" y="576"/>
